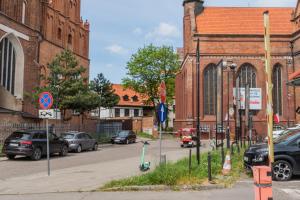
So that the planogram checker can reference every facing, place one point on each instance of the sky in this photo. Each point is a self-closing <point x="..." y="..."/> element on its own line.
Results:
<point x="119" y="28"/>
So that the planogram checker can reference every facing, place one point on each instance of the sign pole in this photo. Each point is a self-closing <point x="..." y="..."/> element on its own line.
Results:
<point x="48" y="148"/>
<point x="160" y="142"/>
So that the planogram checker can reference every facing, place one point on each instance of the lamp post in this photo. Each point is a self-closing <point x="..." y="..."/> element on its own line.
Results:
<point x="198" y="100"/>
<point x="232" y="67"/>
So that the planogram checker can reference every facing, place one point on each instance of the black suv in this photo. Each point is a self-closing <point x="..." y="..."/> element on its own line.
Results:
<point x="33" y="144"/>
<point x="287" y="156"/>
<point x="124" y="137"/>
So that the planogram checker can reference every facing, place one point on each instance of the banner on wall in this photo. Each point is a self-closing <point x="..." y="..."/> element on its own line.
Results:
<point x="255" y="98"/>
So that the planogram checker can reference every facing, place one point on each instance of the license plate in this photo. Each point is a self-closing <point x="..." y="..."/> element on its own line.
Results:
<point x="246" y="159"/>
<point x="117" y="140"/>
<point x="13" y="145"/>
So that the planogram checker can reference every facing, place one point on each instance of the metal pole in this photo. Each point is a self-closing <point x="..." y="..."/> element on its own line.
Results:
<point x="228" y="108"/>
<point x="209" y="166"/>
<point x="198" y="100"/>
<point x="160" y="141"/>
<point x="288" y="94"/>
<point x="190" y="162"/>
<point x="222" y="114"/>
<point x="48" y="149"/>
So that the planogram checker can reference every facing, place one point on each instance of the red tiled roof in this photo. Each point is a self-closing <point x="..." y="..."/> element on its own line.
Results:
<point x="121" y="92"/>
<point x="294" y="75"/>
<point x="238" y="20"/>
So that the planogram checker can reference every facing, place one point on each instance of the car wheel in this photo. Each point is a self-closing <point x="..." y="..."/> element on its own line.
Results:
<point x="282" y="171"/>
<point x="95" y="148"/>
<point x="64" y="151"/>
<point x="37" y="154"/>
<point x="79" y="149"/>
<point x="11" y="157"/>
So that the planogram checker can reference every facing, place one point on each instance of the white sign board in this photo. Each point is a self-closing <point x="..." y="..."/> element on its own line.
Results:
<point x="49" y="114"/>
<point x="255" y="98"/>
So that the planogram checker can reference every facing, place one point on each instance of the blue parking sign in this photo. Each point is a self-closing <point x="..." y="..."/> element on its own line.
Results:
<point x="162" y="113"/>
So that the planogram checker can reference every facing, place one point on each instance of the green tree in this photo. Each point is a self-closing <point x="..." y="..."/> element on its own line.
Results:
<point x="66" y="81"/>
<point x="148" y="68"/>
<point x="103" y="88"/>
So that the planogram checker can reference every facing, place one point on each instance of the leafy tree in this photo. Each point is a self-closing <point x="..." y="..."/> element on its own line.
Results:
<point x="103" y="88"/>
<point x="67" y="84"/>
<point x="148" y="68"/>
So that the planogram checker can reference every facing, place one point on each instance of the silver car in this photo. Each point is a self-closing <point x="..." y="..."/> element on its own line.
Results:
<point x="79" y="141"/>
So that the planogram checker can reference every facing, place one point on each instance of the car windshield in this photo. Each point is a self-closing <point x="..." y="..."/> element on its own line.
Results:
<point x="123" y="134"/>
<point x="285" y="136"/>
<point x="21" y="136"/>
<point x="67" y="136"/>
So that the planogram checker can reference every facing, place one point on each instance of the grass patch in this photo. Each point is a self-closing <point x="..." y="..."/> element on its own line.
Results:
<point x="1" y="154"/>
<point x="176" y="174"/>
<point x="146" y="135"/>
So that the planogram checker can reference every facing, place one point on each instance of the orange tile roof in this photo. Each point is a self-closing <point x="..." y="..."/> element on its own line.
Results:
<point x="120" y="91"/>
<point x="243" y="20"/>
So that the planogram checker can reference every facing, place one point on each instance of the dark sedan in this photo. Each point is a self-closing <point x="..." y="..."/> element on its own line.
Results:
<point x="79" y="141"/>
<point x="124" y="137"/>
<point x="33" y="144"/>
<point x="287" y="156"/>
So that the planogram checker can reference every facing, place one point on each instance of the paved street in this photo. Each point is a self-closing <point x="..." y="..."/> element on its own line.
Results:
<point x="81" y="172"/>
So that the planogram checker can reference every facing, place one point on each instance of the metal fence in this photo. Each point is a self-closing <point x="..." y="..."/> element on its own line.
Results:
<point x="7" y="128"/>
<point x="107" y="130"/>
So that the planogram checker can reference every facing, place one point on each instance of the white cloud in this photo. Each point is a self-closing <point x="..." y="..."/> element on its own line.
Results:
<point x="164" y="30"/>
<point x="109" y="65"/>
<point x="137" y="31"/>
<point x="116" y="49"/>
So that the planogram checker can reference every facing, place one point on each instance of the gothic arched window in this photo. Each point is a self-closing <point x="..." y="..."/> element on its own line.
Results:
<point x="7" y="65"/>
<point x="277" y="89"/>
<point x="247" y="74"/>
<point x="210" y="89"/>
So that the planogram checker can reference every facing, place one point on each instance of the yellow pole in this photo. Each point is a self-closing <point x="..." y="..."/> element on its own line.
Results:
<point x="269" y="86"/>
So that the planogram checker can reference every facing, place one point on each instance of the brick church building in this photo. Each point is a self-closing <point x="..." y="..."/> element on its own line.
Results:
<point x="32" y="33"/>
<point x="237" y="34"/>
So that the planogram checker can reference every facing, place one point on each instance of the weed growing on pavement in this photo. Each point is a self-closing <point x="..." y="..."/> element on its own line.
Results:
<point x="173" y="174"/>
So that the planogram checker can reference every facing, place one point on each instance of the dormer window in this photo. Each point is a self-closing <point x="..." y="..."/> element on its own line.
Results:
<point x="126" y="98"/>
<point x="135" y="98"/>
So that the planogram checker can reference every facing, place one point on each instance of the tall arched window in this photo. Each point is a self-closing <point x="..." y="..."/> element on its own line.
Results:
<point x="7" y="65"/>
<point x="277" y="89"/>
<point x="247" y="74"/>
<point x="210" y="89"/>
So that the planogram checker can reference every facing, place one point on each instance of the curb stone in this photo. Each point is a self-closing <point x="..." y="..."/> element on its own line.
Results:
<point x="164" y="188"/>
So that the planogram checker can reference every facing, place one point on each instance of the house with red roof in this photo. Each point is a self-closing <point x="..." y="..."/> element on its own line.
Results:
<point x="131" y="105"/>
<point x="237" y="34"/>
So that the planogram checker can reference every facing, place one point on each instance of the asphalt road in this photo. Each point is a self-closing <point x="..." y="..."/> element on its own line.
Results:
<point x="22" y="166"/>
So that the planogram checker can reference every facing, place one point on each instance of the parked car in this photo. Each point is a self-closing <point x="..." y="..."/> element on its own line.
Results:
<point x="124" y="137"/>
<point x="33" y="144"/>
<point x="79" y="141"/>
<point x="287" y="156"/>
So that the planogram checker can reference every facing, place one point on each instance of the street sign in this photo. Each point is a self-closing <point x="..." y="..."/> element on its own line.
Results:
<point x="163" y="92"/>
<point x="45" y="100"/>
<point x="49" y="114"/>
<point x="162" y="113"/>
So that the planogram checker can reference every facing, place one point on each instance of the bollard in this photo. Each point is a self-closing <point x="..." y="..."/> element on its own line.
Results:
<point x="263" y="182"/>
<point x="190" y="162"/>
<point x="223" y="156"/>
<point x="209" y="166"/>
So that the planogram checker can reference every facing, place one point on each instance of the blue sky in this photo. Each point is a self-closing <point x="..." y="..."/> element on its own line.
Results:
<point x="119" y="28"/>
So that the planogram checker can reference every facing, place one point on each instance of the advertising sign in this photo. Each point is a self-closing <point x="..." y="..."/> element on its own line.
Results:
<point x="255" y="98"/>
